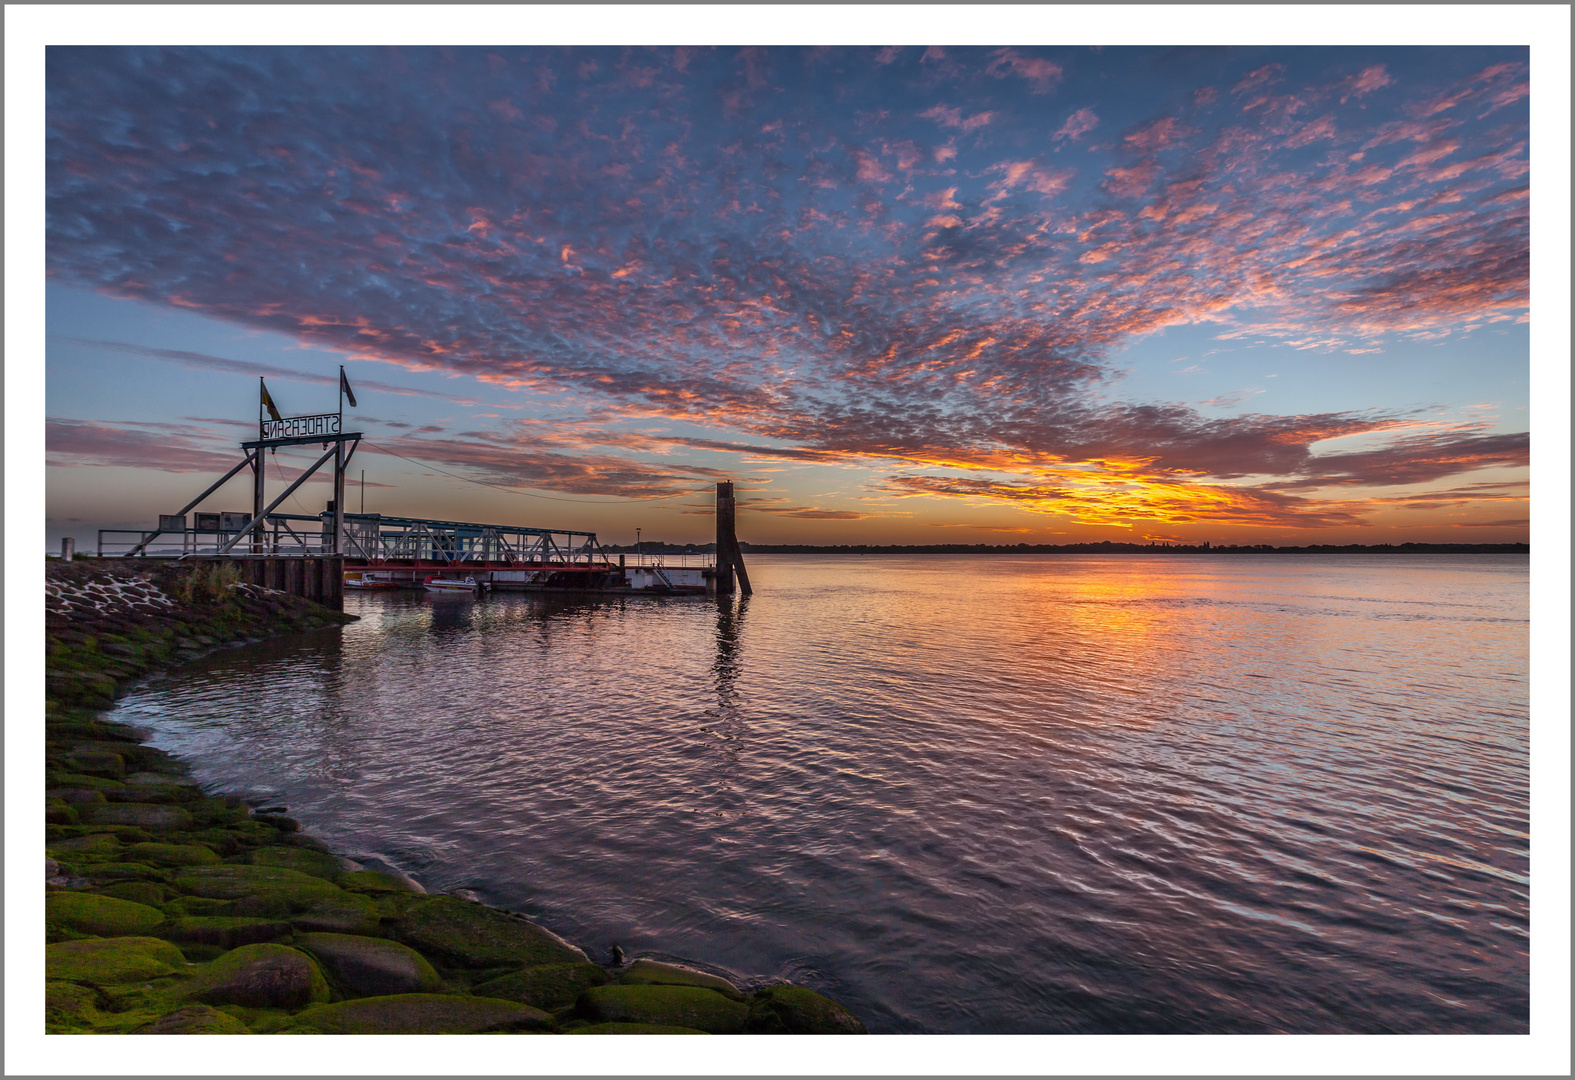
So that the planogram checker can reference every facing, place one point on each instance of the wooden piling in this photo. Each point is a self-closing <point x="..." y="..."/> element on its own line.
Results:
<point x="729" y="557"/>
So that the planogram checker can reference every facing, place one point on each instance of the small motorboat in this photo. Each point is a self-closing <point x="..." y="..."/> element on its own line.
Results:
<point x="370" y="579"/>
<point x="466" y="584"/>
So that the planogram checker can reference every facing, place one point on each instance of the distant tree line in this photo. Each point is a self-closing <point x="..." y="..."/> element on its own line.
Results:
<point x="1103" y="547"/>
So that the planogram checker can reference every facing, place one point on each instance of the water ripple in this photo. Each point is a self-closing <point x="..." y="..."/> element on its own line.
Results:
<point x="1090" y="794"/>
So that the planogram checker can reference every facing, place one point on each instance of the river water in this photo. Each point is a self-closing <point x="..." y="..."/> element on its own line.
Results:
<point x="1046" y="794"/>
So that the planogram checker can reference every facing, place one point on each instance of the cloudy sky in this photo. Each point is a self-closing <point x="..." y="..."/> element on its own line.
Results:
<point x="913" y="295"/>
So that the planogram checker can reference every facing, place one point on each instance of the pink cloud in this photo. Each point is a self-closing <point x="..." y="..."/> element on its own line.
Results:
<point x="1040" y="74"/>
<point x="1077" y="125"/>
<point x="947" y="116"/>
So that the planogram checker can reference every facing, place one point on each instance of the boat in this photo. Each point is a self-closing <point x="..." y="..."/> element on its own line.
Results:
<point x="370" y="579"/>
<point x="466" y="584"/>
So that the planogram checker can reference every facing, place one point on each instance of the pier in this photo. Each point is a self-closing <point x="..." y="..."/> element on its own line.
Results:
<point x="316" y="556"/>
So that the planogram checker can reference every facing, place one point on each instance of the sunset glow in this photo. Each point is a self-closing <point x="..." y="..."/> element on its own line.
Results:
<point x="901" y="295"/>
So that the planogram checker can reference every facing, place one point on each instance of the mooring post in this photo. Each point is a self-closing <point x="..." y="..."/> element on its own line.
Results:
<point x="68" y="548"/>
<point x="729" y="558"/>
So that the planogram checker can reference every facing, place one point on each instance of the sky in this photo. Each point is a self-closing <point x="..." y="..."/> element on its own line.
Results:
<point x="937" y="294"/>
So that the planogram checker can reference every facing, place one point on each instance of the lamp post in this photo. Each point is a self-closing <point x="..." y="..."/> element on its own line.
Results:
<point x="637" y="542"/>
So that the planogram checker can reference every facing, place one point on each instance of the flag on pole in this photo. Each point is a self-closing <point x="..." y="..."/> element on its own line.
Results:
<point x="344" y="387"/>
<point x="267" y="401"/>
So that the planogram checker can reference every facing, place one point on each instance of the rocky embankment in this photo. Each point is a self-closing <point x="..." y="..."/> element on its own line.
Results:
<point x="175" y="910"/>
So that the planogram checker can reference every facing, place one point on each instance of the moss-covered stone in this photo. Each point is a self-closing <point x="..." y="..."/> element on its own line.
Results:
<point x="633" y="1029"/>
<point x="70" y="1008"/>
<point x="142" y="815"/>
<point x="670" y="1006"/>
<point x="372" y="967"/>
<point x="418" y="1014"/>
<point x="267" y="889"/>
<point x="348" y="913"/>
<point x="105" y="916"/>
<point x="107" y="873"/>
<point x="794" y="1010"/>
<point x="374" y="881"/>
<point x="94" y="763"/>
<point x="654" y="972"/>
<point x="181" y="906"/>
<point x="262" y="976"/>
<point x="470" y="935"/>
<point x="547" y="986"/>
<point x="140" y="892"/>
<point x="303" y="860"/>
<point x="105" y="844"/>
<point x="195" y="1020"/>
<point x="224" y="931"/>
<point x="173" y="854"/>
<point x="108" y="961"/>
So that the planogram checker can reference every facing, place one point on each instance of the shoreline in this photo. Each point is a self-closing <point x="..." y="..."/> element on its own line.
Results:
<point x="174" y="910"/>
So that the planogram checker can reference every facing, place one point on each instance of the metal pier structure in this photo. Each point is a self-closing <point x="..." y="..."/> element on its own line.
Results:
<point x="317" y="555"/>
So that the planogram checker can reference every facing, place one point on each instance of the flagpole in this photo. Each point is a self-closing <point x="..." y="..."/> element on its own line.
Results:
<point x="341" y="396"/>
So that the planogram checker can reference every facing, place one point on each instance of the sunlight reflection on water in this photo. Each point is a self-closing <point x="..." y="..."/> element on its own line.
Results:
<point x="1004" y="794"/>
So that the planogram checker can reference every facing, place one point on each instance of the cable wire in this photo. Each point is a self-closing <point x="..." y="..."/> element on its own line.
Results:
<point x="527" y="494"/>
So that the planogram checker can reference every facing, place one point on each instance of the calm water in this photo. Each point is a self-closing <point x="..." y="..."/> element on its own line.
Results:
<point x="960" y="794"/>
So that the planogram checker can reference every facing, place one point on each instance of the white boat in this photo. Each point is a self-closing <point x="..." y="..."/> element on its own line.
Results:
<point x="370" y="579"/>
<point x="466" y="584"/>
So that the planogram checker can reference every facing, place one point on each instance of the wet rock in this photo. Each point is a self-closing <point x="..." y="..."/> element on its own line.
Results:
<point x="670" y="1006"/>
<point x="108" y="961"/>
<point x="143" y="815"/>
<point x="469" y="935"/>
<point x="793" y="1010"/>
<point x="655" y="972"/>
<point x="547" y="986"/>
<point x="418" y="1014"/>
<point x="195" y="1020"/>
<point x="633" y="1029"/>
<point x="372" y="967"/>
<point x="263" y="977"/>
<point x="224" y="931"/>
<point x="104" y="916"/>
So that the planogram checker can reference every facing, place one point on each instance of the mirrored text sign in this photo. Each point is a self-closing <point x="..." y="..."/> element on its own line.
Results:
<point x="295" y="427"/>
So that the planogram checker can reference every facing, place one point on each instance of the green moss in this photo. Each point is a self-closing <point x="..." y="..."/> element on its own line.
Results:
<point x="547" y="986"/>
<point x="266" y="889"/>
<point x="418" y="1014"/>
<point x="108" y="961"/>
<point x="794" y="1010"/>
<point x="473" y="936"/>
<point x="105" y="873"/>
<point x="196" y="905"/>
<point x="633" y="1029"/>
<point x="654" y="972"/>
<point x="195" y="1020"/>
<point x="671" y="1006"/>
<point x="70" y="1008"/>
<point x="104" y="916"/>
<point x="348" y="913"/>
<point x="142" y="815"/>
<point x="372" y="881"/>
<point x="139" y="892"/>
<point x="303" y="860"/>
<point x="173" y="854"/>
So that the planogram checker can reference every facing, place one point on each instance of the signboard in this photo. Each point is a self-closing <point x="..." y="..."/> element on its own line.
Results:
<point x="295" y="427"/>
